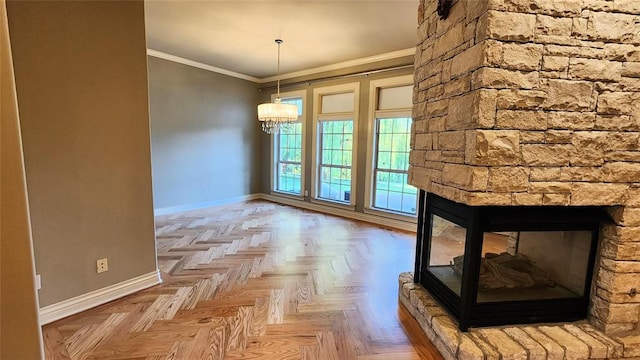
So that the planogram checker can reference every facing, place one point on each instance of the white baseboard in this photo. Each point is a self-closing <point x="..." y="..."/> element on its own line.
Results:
<point x="286" y="200"/>
<point x="331" y="210"/>
<point x="180" y="208"/>
<point x="98" y="297"/>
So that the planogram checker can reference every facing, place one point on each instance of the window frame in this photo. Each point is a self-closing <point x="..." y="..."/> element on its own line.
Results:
<point x="372" y="145"/>
<point x="275" y="148"/>
<point x="318" y="118"/>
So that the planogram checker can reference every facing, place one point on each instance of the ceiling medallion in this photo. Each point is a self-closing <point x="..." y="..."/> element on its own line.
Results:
<point x="443" y="8"/>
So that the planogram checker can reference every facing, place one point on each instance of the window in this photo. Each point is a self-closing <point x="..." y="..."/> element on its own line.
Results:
<point x="336" y="145"/>
<point x="288" y="151"/>
<point x="335" y="109"/>
<point x="390" y="133"/>
<point x="390" y="190"/>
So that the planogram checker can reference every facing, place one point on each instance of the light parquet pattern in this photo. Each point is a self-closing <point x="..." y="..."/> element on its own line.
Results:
<point x="258" y="280"/>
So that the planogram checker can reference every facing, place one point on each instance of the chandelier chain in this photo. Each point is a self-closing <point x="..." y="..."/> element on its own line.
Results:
<point x="279" y="42"/>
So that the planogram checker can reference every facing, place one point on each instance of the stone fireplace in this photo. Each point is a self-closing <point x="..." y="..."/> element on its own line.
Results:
<point x="536" y="103"/>
<point x="505" y="265"/>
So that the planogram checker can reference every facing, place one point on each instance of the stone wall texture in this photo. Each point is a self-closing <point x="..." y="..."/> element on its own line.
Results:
<point x="534" y="101"/>
<point x="569" y="341"/>
<point x="537" y="102"/>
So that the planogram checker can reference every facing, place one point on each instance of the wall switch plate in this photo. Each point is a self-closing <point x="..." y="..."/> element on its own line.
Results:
<point x="38" y="282"/>
<point x="102" y="265"/>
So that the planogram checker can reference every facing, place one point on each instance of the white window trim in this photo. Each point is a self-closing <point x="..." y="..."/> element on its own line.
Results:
<point x="317" y="103"/>
<point x="272" y="174"/>
<point x="374" y="85"/>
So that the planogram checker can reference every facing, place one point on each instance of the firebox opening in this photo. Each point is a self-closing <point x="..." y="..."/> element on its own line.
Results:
<point x="527" y="264"/>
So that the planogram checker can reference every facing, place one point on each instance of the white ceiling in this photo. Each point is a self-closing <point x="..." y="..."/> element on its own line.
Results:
<point x="239" y="35"/>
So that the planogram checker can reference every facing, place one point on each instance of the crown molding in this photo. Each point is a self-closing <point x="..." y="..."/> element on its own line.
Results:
<point x="337" y="66"/>
<point x="184" y="61"/>
<point x="341" y="65"/>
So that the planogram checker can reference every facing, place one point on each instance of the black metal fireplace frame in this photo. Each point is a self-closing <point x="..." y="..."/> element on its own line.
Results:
<point x="480" y="219"/>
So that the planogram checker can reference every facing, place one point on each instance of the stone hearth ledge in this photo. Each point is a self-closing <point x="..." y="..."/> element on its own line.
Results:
<point x="564" y="341"/>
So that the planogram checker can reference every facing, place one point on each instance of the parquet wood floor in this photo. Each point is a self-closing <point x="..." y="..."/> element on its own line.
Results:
<point x="258" y="280"/>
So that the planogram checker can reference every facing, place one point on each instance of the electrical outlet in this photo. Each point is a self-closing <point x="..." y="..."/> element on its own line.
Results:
<point x="102" y="265"/>
<point x="306" y="193"/>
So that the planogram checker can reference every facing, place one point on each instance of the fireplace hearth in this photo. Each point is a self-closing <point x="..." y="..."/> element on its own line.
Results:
<point x="497" y="265"/>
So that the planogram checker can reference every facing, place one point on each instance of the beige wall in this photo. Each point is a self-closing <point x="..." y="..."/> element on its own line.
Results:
<point x="204" y="135"/>
<point x="19" y="328"/>
<point x="81" y="76"/>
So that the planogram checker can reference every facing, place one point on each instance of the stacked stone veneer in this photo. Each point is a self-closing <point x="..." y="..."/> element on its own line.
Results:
<point x="570" y="341"/>
<point x="537" y="102"/>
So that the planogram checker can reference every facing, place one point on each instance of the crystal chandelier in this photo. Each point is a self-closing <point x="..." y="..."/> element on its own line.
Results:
<point x="275" y="115"/>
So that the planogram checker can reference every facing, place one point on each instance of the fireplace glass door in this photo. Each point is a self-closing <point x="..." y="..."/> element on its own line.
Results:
<point x="447" y="251"/>
<point x="533" y="265"/>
